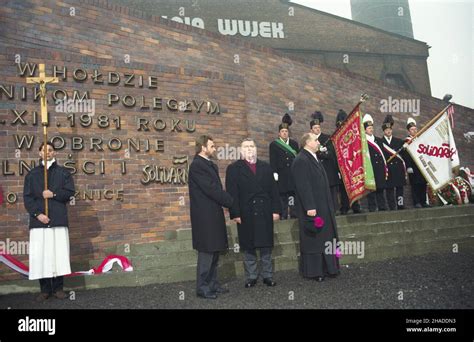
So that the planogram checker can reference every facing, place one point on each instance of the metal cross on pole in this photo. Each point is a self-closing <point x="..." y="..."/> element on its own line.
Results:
<point x="42" y="80"/>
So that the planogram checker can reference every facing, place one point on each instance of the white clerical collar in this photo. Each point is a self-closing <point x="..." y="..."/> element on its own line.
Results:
<point x="389" y="139"/>
<point x="49" y="163"/>
<point x="312" y="153"/>
<point x="205" y="157"/>
<point x="286" y="142"/>
<point x="371" y="138"/>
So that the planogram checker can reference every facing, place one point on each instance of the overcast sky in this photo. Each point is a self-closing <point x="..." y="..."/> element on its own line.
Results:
<point x="445" y="25"/>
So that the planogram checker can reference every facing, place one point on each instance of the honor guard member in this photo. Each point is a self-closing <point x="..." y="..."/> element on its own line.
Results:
<point x="417" y="181"/>
<point x="379" y="165"/>
<point x="396" y="167"/>
<point x="283" y="151"/>
<point x="326" y="154"/>
<point x="340" y="117"/>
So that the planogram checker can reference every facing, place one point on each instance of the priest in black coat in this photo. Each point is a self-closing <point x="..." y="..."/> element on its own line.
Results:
<point x="208" y="226"/>
<point x="314" y="202"/>
<point x="256" y="205"/>
<point x="396" y="167"/>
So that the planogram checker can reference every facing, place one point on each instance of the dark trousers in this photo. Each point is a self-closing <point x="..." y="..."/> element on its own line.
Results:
<point x="251" y="267"/>
<point x="418" y="192"/>
<point x="51" y="285"/>
<point x="396" y="201"/>
<point x="287" y="204"/>
<point x="376" y="200"/>
<point x="345" y="201"/>
<point x="206" y="279"/>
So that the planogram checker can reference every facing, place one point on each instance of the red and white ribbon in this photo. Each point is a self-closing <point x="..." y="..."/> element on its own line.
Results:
<point x="104" y="267"/>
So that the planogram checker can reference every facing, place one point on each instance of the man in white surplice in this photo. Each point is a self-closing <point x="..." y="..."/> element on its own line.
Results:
<point x="49" y="235"/>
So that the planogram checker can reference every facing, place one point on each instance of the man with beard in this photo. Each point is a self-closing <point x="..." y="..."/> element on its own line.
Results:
<point x="256" y="205"/>
<point x="317" y="222"/>
<point x="208" y="226"/>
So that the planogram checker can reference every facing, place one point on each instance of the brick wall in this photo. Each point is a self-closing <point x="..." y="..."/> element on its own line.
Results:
<point x="189" y="64"/>
<point x="311" y="34"/>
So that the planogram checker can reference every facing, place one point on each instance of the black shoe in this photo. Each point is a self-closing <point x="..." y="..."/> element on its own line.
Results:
<point x="401" y="207"/>
<point x="269" y="282"/>
<point x="250" y="283"/>
<point x="319" y="279"/>
<point x="207" y="295"/>
<point x="424" y="205"/>
<point x="418" y="205"/>
<point x="333" y="275"/>
<point x="357" y="211"/>
<point x="382" y="209"/>
<point x="221" y="290"/>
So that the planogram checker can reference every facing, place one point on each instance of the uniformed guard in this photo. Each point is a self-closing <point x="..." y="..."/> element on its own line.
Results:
<point x="396" y="167"/>
<point x="340" y="117"/>
<point x="379" y="165"/>
<point x="326" y="154"/>
<point x="283" y="151"/>
<point x="417" y="181"/>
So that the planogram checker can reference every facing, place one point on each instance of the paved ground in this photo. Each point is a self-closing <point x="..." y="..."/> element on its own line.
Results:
<point x="436" y="281"/>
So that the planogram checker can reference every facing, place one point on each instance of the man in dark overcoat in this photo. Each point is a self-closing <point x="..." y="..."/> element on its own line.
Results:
<point x="314" y="204"/>
<point x="256" y="205"/>
<point x="208" y="226"/>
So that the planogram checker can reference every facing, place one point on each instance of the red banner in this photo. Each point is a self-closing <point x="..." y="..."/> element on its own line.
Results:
<point x="353" y="157"/>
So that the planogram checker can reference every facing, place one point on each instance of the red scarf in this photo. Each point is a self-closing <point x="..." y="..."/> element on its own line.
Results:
<point x="253" y="167"/>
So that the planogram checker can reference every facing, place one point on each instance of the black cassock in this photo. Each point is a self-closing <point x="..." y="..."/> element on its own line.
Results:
<point x="207" y="198"/>
<point x="256" y="198"/>
<point x="312" y="192"/>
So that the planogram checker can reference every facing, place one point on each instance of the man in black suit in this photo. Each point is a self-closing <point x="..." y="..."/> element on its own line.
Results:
<point x="283" y="151"/>
<point x="379" y="165"/>
<point x="209" y="232"/>
<point x="256" y="205"/>
<point x="396" y="167"/>
<point x="313" y="200"/>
